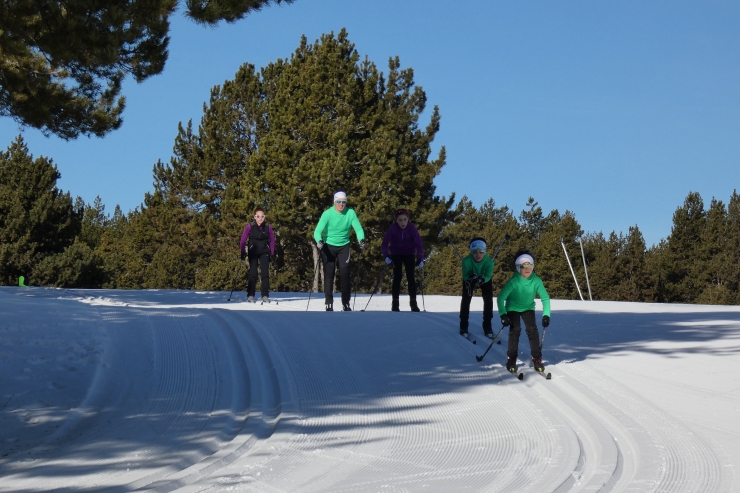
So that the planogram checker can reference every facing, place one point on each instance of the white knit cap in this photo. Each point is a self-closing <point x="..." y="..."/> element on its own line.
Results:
<point x="523" y="259"/>
<point x="340" y="195"/>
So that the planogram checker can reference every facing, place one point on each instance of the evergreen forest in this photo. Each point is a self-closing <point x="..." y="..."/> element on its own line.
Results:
<point x="286" y="137"/>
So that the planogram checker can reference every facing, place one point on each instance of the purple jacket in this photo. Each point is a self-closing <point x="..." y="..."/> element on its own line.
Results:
<point x="399" y="241"/>
<point x="245" y="237"/>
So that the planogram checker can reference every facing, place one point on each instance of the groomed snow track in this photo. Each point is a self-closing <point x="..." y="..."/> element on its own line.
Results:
<point x="215" y="397"/>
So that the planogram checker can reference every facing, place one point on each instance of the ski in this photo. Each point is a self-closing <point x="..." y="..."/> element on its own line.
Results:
<point x="518" y="374"/>
<point x="546" y="374"/>
<point x="269" y="302"/>
<point x="467" y="337"/>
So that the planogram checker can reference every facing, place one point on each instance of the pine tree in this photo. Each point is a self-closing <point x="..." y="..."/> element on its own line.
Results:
<point x="37" y="219"/>
<point x="682" y="251"/>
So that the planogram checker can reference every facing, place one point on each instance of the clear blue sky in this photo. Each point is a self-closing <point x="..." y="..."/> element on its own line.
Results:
<point x="613" y="110"/>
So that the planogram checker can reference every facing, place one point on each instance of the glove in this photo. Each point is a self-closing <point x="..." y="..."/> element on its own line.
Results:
<point x="388" y="260"/>
<point x="362" y="245"/>
<point x="505" y="321"/>
<point x="476" y="281"/>
<point x="320" y="245"/>
<point x="546" y="320"/>
<point x="243" y="256"/>
<point x="420" y="264"/>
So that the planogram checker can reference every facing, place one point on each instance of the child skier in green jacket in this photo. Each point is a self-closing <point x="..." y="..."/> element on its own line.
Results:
<point x="477" y="270"/>
<point x="516" y="304"/>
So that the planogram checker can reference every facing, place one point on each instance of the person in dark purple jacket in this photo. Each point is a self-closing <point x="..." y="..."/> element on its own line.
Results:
<point x="258" y="243"/>
<point x="402" y="247"/>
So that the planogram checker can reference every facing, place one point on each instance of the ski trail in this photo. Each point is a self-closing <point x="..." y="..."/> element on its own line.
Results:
<point x="428" y="418"/>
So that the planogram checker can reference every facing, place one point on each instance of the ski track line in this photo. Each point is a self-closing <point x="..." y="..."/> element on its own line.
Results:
<point x="158" y="381"/>
<point x="684" y="462"/>
<point x="566" y="451"/>
<point x="354" y="419"/>
<point x="598" y="454"/>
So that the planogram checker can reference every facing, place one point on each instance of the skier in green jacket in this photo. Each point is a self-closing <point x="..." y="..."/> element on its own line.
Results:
<point x="477" y="270"/>
<point x="516" y="304"/>
<point x="332" y="240"/>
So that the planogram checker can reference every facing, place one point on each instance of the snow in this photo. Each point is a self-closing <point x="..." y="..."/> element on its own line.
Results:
<point x="180" y="390"/>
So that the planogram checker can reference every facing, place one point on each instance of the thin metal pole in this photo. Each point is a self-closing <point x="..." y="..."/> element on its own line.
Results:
<point x="585" y="269"/>
<point x="571" y="269"/>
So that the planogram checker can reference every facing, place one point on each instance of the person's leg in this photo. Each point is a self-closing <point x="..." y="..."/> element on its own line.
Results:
<point x="265" y="271"/>
<point x="530" y="325"/>
<point x="396" y="285"/>
<point x="464" y="309"/>
<point x="487" y="294"/>
<point x="514" y="331"/>
<point x="342" y="255"/>
<point x="329" y="261"/>
<point x="409" y="263"/>
<point x="252" y="276"/>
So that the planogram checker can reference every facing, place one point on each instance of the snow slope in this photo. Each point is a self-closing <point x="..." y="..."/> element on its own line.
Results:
<point x="172" y="390"/>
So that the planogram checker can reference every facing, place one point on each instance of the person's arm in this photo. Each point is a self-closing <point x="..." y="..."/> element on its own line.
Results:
<point x="419" y="245"/>
<point x="245" y="236"/>
<point x="271" y="233"/>
<point x="501" y="298"/>
<point x="384" y="243"/>
<point x="542" y="292"/>
<point x="319" y="231"/>
<point x="488" y="271"/>
<point x="357" y="226"/>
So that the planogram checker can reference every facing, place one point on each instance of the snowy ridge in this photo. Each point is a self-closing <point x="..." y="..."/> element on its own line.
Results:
<point x="169" y="390"/>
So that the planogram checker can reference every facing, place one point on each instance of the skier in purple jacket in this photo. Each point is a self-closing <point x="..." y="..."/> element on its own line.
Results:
<point x="260" y="240"/>
<point x="402" y="247"/>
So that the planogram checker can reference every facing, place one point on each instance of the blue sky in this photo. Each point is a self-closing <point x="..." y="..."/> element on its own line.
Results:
<point x="615" y="111"/>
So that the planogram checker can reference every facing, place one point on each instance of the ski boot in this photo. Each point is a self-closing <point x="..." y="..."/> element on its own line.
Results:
<point x="394" y="305"/>
<point x="346" y="307"/>
<point x="414" y="306"/>
<point x="511" y="365"/>
<point x="464" y="329"/>
<point x="329" y="307"/>
<point x="265" y="299"/>
<point x="538" y="365"/>
<point x="487" y="330"/>
<point x="250" y="299"/>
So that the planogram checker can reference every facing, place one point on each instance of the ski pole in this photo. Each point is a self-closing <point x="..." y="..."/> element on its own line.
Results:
<point x="542" y="341"/>
<point x="357" y="279"/>
<point x="421" y="287"/>
<point x="449" y="242"/>
<point x="377" y="286"/>
<point x="506" y="237"/>
<point x="495" y="340"/>
<point x="310" y="289"/>
<point x="233" y="285"/>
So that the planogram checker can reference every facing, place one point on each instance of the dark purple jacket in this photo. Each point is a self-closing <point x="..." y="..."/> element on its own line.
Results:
<point x="248" y="229"/>
<point x="399" y="241"/>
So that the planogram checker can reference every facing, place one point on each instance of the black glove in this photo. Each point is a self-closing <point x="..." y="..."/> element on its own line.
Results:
<point x="362" y="244"/>
<point x="505" y="321"/>
<point x="546" y="320"/>
<point x="476" y="281"/>
<point x="244" y="255"/>
<point x="320" y="245"/>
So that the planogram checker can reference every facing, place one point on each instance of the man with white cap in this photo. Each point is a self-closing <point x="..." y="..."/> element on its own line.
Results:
<point x="332" y="240"/>
<point x="516" y="304"/>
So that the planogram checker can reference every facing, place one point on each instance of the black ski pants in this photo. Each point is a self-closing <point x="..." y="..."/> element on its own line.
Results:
<point x="530" y="325"/>
<point x="264" y="262"/>
<point x="399" y="262"/>
<point x="467" y="295"/>
<point x="333" y="257"/>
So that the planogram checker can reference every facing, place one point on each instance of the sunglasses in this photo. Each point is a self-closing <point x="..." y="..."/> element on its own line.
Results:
<point x="525" y="265"/>
<point x="259" y="217"/>
<point x="478" y="252"/>
<point x="340" y="202"/>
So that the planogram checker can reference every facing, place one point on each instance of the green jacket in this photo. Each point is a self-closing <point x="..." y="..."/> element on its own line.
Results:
<point x="518" y="295"/>
<point x="333" y="227"/>
<point x="484" y="268"/>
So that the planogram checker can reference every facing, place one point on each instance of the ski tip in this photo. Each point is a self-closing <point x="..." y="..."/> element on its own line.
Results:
<point x="548" y="376"/>
<point x="520" y="376"/>
<point x="475" y="342"/>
